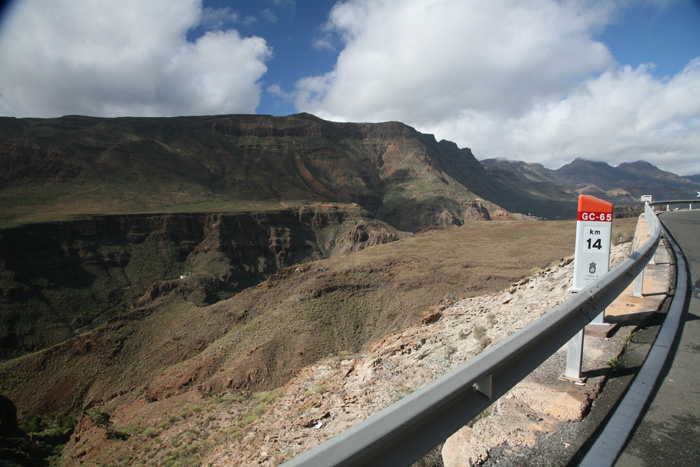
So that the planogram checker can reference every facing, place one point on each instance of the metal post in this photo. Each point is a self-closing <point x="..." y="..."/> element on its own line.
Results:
<point x="639" y="285"/>
<point x="574" y="357"/>
<point x="651" y="224"/>
<point x="600" y="319"/>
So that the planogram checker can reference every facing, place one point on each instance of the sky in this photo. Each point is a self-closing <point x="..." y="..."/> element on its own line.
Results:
<point x="543" y="81"/>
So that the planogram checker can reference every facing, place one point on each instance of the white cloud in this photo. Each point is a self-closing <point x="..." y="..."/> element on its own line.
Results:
<point x="425" y="58"/>
<point x="277" y="90"/>
<point x="269" y="15"/>
<point x="123" y="57"/>
<point x="523" y="80"/>
<point x="623" y="115"/>
<point x="219" y="18"/>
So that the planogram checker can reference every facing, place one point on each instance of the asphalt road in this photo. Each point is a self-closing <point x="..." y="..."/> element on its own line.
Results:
<point x="669" y="430"/>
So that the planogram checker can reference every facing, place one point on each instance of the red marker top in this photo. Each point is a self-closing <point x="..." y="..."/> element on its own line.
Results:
<point x="591" y="208"/>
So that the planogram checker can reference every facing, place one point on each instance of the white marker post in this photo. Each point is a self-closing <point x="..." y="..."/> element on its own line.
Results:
<point x="593" y="234"/>
<point x="591" y="261"/>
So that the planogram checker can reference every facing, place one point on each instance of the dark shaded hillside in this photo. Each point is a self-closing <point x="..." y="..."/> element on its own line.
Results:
<point x="532" y="196"/>
<point x="621" y="185"/>
<point x="58" y="278"/>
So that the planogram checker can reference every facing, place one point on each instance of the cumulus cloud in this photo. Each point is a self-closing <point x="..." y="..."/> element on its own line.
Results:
<point x="523" y="80"/>
<point x="124" y="57"/>
<point x="425" y="58"/>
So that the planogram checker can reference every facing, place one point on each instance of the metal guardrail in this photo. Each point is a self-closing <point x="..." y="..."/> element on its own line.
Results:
<point x="405" y="431"/>
<point x="668" y="204"/>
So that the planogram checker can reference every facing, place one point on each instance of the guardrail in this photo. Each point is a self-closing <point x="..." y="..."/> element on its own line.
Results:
<point x="668" y="204"/>
<point x="405" y="431"/>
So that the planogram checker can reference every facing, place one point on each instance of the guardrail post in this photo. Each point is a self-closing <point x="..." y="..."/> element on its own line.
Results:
<point x="574" y="358"/>
<point x="650" y="216"/>
<point x="639" y="285"/>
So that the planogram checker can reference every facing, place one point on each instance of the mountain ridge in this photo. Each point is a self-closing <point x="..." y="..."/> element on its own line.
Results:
<point x="71" y="166"/>
<point x="621" y="185"/>
<point x="142" y="165"/>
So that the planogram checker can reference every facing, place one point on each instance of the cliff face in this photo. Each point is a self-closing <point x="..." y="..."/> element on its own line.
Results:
<point x="62" y="277"/>
<point x="56" y="168"/>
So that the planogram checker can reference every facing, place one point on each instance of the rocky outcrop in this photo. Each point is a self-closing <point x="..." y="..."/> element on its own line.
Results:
<point x="57" y="279"/>
<point x="8" y="419"/>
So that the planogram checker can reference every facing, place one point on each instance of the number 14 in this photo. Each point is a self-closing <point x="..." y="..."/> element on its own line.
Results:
<point x="597" y="244"/>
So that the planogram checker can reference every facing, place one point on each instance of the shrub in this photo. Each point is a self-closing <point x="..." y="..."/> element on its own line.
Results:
<point x="248" y="420"/>
<point x="260" y="409"/>
<point x="32" y="424"/>
<point x="615" y="363"/>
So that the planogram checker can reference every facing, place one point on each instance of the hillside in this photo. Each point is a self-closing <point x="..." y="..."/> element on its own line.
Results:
<point x="56" y="168"/>
<point x="621" y="185"/>
<point x="169" y="350"/>
<point x="148" y="261"/>
<point x="62" y="278"/>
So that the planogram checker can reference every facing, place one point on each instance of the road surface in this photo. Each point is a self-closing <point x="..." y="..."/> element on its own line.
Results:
<point x="670" y="428"/>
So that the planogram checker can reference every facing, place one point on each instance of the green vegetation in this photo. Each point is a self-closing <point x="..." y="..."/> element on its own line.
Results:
<point x="614" y="363"/>
<point x="150" y="432"/>
<point x="49" y="433"/>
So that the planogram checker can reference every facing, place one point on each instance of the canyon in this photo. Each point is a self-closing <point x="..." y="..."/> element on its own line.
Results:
<point x="160" y="272"/>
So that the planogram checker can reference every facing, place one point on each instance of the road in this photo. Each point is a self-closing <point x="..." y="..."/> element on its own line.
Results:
<point x="670" y="427"/>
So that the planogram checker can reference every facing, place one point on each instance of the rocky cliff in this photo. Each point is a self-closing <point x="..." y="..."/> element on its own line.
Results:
<point x="59" y="278"/>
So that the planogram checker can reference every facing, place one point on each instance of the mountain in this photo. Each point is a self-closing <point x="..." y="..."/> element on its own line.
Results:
<point x="533" y="186"/>
<point x="56" y="168"/>
<point x="621" y="185"/>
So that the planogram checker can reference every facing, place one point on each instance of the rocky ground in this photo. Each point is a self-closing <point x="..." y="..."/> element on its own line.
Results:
<point x="328" y="397"/>
<point x="269" y="427"/>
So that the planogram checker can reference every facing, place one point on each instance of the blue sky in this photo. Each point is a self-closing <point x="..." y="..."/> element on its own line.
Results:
<point x="668" y="36"/>
<point x="535" y="80"/>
